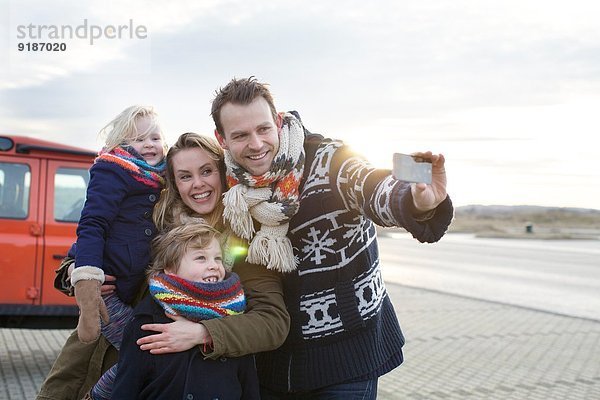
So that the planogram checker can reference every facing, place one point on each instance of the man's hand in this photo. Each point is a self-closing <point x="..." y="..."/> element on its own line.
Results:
<point x="427" y="197"/>
<point x="174" y="337"/>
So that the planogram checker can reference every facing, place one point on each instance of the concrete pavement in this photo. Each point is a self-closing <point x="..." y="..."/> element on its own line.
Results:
<point x="457" y="348"/>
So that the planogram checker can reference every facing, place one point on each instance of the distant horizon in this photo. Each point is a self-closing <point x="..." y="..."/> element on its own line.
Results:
<point x="529" y="205"/>
<point x="456" y="205"/>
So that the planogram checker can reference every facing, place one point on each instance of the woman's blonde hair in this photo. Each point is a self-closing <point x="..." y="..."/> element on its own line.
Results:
<point x="122" y="130"/>
<point x="169" y="247"/>
<point x="170" y="209"/>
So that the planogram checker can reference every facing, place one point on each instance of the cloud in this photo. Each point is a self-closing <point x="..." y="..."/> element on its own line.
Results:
<point x="63" y="17"/>
<point x="511" y="82"/>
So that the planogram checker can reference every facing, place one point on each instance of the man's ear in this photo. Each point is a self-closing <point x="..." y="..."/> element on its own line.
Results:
<point x="279" y="121"/>
<point x="220" y="140"/>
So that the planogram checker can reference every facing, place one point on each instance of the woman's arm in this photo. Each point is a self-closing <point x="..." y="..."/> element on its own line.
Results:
<point x="264" y="326"/>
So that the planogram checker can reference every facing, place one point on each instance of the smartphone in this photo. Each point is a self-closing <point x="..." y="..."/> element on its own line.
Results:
<point x="411" y="168"/>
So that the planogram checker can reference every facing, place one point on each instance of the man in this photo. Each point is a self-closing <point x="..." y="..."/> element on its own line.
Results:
<point x="307" y="205"/>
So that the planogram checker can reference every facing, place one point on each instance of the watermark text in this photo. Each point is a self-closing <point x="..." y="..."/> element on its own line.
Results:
<point x="85" y="30"/>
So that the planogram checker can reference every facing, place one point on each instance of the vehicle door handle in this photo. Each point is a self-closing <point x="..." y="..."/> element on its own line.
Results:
<point x="58" y="256"/>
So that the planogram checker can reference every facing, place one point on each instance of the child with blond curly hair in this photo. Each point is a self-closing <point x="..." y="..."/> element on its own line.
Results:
<point x="116" y="227"/>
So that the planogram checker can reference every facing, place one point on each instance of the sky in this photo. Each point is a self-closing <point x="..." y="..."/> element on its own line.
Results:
<point x="508" y="91"/>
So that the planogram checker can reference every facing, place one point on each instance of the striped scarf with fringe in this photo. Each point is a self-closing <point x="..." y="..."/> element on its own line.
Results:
<point x="197" y="301"/>
<point x="271" y="199"/>
<point x="131" y="161"/>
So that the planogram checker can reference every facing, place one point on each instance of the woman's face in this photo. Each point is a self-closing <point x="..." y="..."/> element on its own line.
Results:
<point x="198" y="180"/>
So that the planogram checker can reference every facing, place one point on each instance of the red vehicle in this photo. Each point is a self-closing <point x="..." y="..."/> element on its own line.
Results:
<point x="42" y="190"/>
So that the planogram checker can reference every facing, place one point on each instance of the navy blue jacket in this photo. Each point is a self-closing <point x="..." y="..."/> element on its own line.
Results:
<point x="185" y="375"/>
<point x="116" y="227"/>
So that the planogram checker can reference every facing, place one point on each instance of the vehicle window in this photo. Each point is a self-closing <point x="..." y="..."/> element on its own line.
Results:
<point x="70" y="186"/>
<point x="14" y="190"/>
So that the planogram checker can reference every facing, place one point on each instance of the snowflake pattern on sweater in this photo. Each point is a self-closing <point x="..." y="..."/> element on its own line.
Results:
<point x="334" y="239"/>
<point x="340" y="312"/>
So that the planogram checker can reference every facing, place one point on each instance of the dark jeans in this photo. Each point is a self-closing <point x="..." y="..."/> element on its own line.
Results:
<point x="363" y="390"/>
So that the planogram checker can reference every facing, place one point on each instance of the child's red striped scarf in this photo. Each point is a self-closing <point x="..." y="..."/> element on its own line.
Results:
<point x="132" y="162"/>
<point x="198" y="301"/>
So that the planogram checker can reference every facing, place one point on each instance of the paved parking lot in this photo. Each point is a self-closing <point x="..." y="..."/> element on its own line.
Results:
<point x="457" y="348"/>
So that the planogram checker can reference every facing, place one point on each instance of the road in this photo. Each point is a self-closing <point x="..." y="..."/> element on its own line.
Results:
<point x="457" y="347"/>
<point x="560" y="276"/>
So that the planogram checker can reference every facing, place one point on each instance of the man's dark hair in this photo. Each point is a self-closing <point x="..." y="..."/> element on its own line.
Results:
<point x="241" y="92"/>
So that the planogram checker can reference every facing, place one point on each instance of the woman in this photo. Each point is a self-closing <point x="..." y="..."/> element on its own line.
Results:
<point x="194" y="185"/>
<point x="195" y="182"/>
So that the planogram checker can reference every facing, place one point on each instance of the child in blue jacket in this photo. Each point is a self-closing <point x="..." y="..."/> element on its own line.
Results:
<point x="116" y="227"/>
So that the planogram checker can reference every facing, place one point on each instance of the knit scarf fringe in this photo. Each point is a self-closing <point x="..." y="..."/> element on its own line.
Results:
<point x="132" y="162"/>
<point x="197" y="301"/>
<point x="271" y="199"/>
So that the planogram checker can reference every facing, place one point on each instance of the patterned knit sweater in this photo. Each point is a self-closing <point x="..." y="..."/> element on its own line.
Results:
<point x="343" y="324"/>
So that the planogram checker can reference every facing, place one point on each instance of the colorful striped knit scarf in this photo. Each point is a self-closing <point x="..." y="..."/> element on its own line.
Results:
<point x="271" y="199"/>
<point x="132" y="162"/>
<point x="198" y="301"/>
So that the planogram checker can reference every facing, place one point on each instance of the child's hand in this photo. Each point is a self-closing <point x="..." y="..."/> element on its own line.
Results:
<point x="174" y="337"/>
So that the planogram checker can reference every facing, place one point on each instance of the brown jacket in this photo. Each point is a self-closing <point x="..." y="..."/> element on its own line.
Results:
<point x="264" y="325"/>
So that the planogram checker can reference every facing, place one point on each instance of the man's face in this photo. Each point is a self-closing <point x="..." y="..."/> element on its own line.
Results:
<point x="250" y="134"/>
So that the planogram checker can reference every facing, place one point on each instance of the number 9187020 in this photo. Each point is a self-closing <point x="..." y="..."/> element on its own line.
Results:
<point x="41" y="46"/>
